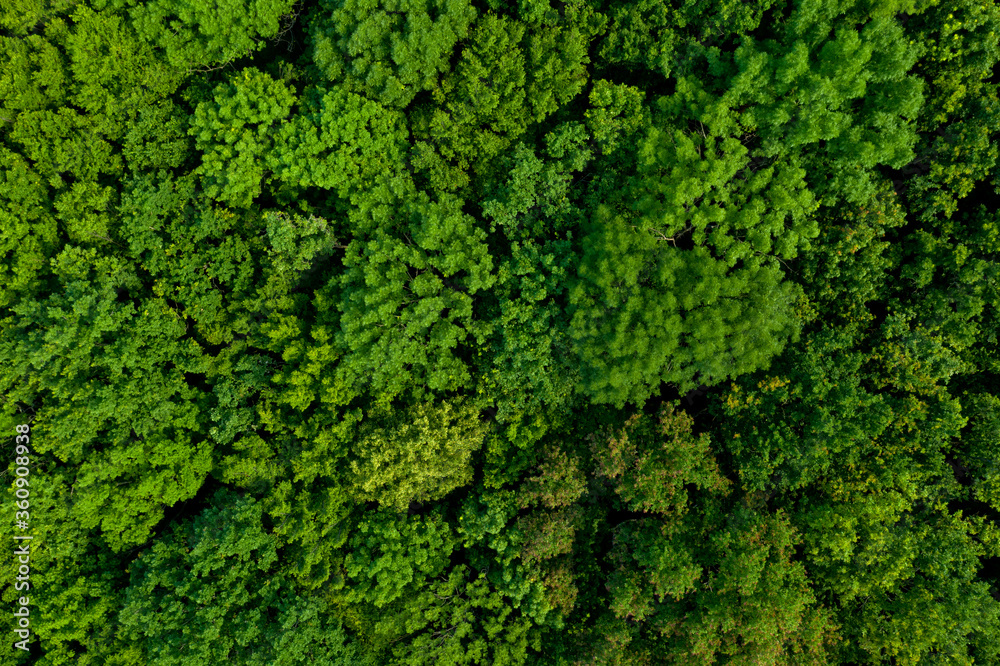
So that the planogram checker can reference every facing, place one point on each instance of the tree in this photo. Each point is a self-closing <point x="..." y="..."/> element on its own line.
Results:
<point x="405" y="298"/>
<point x="852" y="92"/>
<point x="695" y="579"/>
<point x="421" y="455"/>
<point x="645" y="312"/>
<point x="954" y="150"/>
<point x="387" y="50"/>
<point x="651" y="463"/>
<point x="641" y="34"/>
<point x="70" y="101"/>
<point x="89" y="363"/>
<point x="527" y="369"/>
<point x="339" y="141"/>
<point x="196" y="597"/>
<point x="507" y="78"/>
<point x="236" y="131"/>
<point x="195" y="34"/>
<point x="75" y="583"/>
<point x="391" y="555"/>
<point x="850" y="430"/>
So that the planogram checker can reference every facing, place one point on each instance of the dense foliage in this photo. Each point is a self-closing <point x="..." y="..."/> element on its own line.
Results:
<point x="441" y="332"/>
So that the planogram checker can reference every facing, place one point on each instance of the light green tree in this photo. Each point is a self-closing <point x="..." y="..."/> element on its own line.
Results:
<point x="418" y="455"/>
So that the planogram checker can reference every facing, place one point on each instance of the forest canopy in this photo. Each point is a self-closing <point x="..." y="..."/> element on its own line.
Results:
<point x="496" y="332"/>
